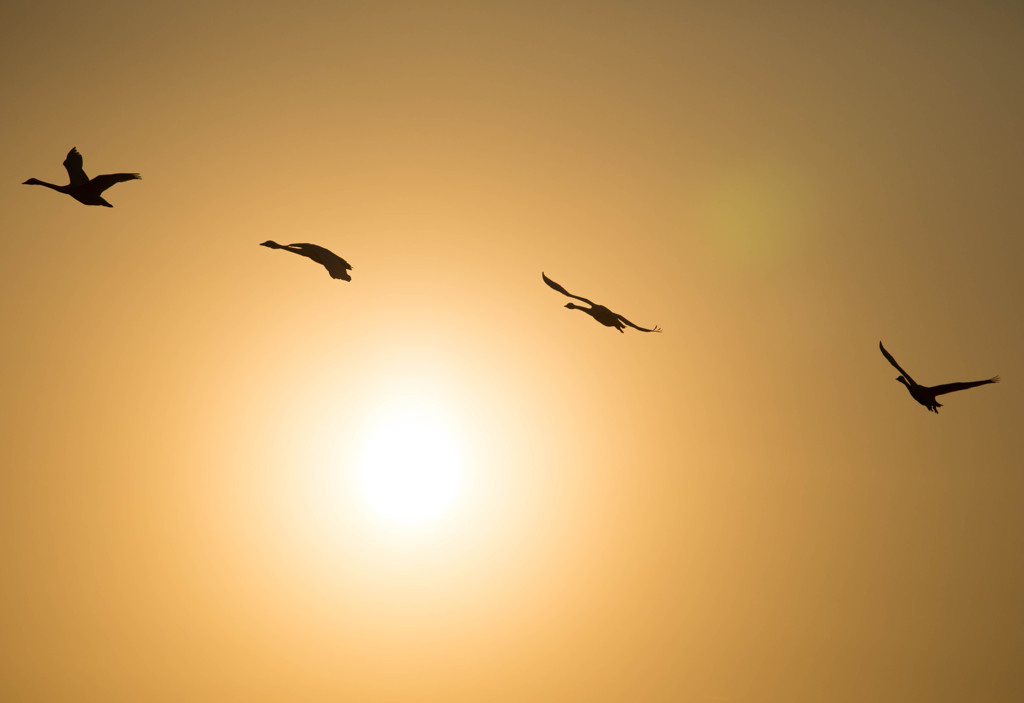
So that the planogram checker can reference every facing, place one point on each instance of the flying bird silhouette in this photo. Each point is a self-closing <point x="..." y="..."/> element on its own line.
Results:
<point x="599" y="312"/>
<point x="925" y="395"/>
<point x="335" y="265"/>
<point x="82" y="188"/>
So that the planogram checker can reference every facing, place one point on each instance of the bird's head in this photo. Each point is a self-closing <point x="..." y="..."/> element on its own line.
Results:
<point x="270" y="243"/>
<point x="572" y="306"/>
<point x="31" y="182"/>
<point x="903" y="380"/>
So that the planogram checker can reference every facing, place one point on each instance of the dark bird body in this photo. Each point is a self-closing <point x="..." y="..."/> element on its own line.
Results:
<point x="335" y="265"/>
<point x="81" y="187"/>
<point x="599" y="312"/>
<point x="925" y="395"/>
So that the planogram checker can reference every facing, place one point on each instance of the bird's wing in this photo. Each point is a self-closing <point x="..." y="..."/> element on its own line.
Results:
<point x="563" y="291"/>
<point x="313" y="251"/>
<point x="101" y="183"/>
<point x="636" y="327"/>
<point x="319" y="254"/>
<point x="332" y="261"/>
<point x="338" y="267"/>
<point x="73" y="163"/>
<point x="950" y="387"/>
<point x="304" y="248"/>
<point x="892" y="361"/>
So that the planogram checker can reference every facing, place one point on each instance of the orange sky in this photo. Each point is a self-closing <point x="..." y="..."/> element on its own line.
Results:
<point x="745" y="508"/>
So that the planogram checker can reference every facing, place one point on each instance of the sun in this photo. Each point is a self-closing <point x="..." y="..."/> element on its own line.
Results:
<point x="410" y="471"/>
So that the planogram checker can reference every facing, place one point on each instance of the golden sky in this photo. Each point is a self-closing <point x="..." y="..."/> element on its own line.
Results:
<point x="746" y="507"/>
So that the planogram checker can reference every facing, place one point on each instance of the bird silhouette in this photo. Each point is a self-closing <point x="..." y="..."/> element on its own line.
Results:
<point x="925" y="395"/>
<point x="81" y="187"/>
<point x="599" y="312"/>
<point x="335" y="265"/>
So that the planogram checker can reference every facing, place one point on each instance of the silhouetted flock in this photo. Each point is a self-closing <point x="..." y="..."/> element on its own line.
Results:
<point x="89" y="192"/>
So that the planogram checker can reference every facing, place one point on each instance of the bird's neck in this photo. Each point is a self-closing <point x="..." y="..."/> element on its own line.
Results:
<point x="37" y="182"/>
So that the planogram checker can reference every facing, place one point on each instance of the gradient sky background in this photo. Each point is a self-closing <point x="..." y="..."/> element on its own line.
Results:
<point x="744" y="508"/>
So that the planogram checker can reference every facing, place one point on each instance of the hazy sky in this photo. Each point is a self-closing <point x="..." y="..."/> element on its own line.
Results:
<point x="746" y="507"/>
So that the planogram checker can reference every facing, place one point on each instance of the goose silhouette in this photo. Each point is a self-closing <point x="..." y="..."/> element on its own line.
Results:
<point x="925" y="395"/>
<point x="599" y="312"/>
<point x="335" y="265"/>
<point x="82" y="188"/>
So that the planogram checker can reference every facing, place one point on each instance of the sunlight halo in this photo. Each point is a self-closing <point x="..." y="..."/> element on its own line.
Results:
<point x="410" y="471"/>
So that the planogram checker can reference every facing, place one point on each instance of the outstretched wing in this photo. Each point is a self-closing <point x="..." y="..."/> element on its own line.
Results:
<point x="563" y="291"/>
<point x="334" y="264"/>
<point x="101" y="183"/>
<point x="73" y="163"/>
<point x="642" y="329"/>
<point x="317" y="253"/>
<point x="950" y="387"/>
<point x="892" y="361"/>
<point x="306" y="249"/>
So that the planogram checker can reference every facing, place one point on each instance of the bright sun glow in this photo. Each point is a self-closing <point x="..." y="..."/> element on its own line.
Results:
<point x="410" y="471"/>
